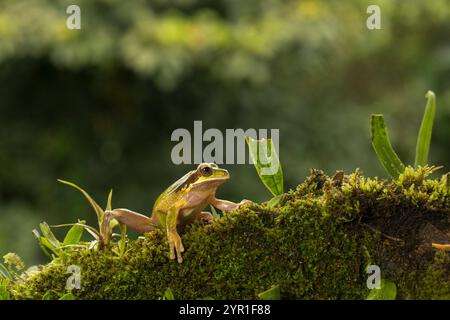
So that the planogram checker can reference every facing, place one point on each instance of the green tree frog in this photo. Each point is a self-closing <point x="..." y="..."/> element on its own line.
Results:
<point x="180" y="204"/>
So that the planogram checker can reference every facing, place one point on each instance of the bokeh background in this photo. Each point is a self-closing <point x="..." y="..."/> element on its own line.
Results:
<point x="97" y="106"/>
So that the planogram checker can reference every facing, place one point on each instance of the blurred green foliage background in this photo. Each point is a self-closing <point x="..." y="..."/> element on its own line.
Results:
<point x="97" y="106"/>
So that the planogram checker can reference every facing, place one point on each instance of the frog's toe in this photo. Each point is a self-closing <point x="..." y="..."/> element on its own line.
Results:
<point x="244" y="202"/>
<point x="171" y="250"/>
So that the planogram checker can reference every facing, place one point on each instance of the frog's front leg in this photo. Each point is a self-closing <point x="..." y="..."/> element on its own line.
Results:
<point x="226" y="205"/>
<point x="132" y="219"/>
<point x="174" y="239"/>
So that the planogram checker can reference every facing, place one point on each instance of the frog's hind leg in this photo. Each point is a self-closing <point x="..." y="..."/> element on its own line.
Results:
<point x="132" y="219"/>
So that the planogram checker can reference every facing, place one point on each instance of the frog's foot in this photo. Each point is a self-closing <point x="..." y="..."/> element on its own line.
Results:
<point x="441" y="246"/>
<point x="205" y="217"/>
<point x="244" y="202"/>
<point x="175" y="245"/>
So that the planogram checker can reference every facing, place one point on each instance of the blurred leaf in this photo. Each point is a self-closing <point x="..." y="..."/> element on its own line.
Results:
<point x="383" y="148"/>
<point x="5" y="273"/>
<point x="272" y="294"/>
<point x="259" y="149"/>
<point x="388" y="291"/>
<point x="4" y="294"/>
<point x="426" y="129"/>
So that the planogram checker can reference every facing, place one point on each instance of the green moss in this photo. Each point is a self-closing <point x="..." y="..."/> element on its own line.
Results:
<point x="314" y="245"/>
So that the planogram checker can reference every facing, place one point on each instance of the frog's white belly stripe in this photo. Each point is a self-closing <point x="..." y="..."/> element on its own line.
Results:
<point x="187" y="212"/>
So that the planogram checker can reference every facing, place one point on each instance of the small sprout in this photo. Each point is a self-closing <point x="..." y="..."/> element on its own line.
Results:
<point x="168" y="295"/>
<point x="214" y="213"/>
<point x="383" y="148"/>
<point x="272" y="203"/>
<point x="271" y="294"/>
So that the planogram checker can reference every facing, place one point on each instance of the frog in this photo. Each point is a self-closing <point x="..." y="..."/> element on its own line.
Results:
<point x="181" y="204"/>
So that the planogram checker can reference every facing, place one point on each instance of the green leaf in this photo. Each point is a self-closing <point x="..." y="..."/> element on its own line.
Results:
<point x="68" y="296"/>
<point x="168" y="295"/>
<point x="4" y="294"/>
<point x="383" y="148"/>
<point x="74" y="234"/>
<point x="98" y="210"/>
<point x="388" y="291"/>
<point x="425" y="131"/>
<point x="272" y="294"/>
<point x="268" y="167"/>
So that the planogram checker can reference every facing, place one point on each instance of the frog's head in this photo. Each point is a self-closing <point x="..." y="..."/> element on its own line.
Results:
<point x="210" y="175"/>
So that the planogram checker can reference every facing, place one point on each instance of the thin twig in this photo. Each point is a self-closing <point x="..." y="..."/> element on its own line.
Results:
<point x="383" y="234"/>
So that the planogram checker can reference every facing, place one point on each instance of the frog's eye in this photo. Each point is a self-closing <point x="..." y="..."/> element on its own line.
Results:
<point x="206" y="171"/>
<point x="214" y="165"/>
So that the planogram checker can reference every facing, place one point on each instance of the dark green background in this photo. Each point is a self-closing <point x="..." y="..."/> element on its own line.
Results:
<point x="97" y="106"/>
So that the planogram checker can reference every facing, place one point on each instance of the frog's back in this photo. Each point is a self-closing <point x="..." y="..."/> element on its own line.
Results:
<point x="172" y="194"/>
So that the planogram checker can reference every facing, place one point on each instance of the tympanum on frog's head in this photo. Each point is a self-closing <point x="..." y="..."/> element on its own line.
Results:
<point x="209" y="175"/>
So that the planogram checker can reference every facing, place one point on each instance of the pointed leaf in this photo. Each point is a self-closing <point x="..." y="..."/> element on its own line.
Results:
<point x="383" y="148"/>
<point x="268" y="167"/>
<point x="98" y="210"/>
<point x="109" y="203"/>
<point x="425" y="131"/>
<point x="89" y="229"/>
